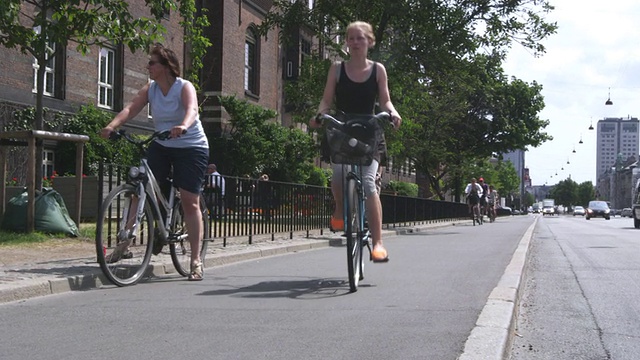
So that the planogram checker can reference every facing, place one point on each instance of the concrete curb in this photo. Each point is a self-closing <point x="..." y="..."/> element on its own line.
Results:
<point x="491" y="337"/>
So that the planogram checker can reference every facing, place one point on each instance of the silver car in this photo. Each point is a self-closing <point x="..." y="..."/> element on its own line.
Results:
<point x="578" y="210"/>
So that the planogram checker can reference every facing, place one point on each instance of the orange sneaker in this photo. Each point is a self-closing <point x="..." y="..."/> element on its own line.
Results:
<point x="336" y="224"/>
<point x="379" y="254"/>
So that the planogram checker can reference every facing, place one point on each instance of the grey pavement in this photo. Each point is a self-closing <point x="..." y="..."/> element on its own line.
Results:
<point x="490" y="338"/>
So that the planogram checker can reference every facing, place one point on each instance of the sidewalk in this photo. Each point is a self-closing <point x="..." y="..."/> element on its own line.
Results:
<point x="47" y="277"/>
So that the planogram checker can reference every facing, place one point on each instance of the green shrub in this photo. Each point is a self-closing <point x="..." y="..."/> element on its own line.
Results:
<point x="403" y="188"/>
<point x="89" y="120"/>
<point x="318" y="177"/>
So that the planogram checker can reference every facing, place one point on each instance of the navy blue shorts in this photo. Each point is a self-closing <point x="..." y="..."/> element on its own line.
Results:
<point x="189" y="166"/>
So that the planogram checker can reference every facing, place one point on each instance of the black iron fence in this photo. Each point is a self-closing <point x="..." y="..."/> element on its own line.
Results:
<point x="245" y="207"/>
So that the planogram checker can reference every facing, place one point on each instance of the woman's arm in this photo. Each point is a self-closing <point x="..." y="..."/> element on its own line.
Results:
<point x="132" y="109"/>
<point x="384" y="97"/>
<point x="190" y="103"/>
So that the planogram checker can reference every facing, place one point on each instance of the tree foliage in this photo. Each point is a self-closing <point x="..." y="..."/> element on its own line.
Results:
<point x="444" y="61"/>
<point x="89" y="120"/>
<point x="256" y="145"/>
<point x="586" y="193"/>
<point x="565" y="192"/>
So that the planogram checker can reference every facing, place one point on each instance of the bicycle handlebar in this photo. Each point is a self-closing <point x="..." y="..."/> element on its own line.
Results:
<point x="379" y="116"/>
<point x="121" y="133"/>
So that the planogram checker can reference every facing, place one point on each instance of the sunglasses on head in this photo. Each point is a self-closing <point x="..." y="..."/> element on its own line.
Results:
<point x="153" y="62"/>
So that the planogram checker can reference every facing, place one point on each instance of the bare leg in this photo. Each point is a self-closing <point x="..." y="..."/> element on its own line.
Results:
<point x="336" y="189"/>
<point x="374" y="215"/>
<point x="193" y="220"/>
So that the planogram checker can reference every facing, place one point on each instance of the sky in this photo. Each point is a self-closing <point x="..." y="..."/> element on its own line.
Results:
<point x="595" y="51"/>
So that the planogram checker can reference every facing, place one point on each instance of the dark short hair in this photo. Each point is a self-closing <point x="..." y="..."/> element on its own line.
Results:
<point x="167" y="58"/>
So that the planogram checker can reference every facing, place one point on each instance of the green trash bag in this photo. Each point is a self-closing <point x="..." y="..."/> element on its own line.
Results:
<point x="51" y="215"/>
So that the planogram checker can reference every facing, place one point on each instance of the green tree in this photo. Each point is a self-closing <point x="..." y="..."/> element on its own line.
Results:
<point x="256" y="145"/>
<point x="89" y="120"/>
<point x="565" y="193"/>
<point x="445" y="74"/>
<point x="508" y="179"/>
<point x="586" y="192"/>
<point x="529" y="199"/>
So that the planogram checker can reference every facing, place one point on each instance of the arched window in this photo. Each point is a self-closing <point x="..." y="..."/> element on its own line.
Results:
<point x="251" y="63"/>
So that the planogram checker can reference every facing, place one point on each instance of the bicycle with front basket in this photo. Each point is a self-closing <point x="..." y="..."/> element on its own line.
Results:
<point x="136" y="215"/>
<point x="353" y="149"/>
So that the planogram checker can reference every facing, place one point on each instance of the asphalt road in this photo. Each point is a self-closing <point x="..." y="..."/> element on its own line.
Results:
<point x="581" y="295"/>
<point x="423" y="304"/>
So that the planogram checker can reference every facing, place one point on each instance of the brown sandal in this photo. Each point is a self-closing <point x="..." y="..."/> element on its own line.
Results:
<point x="197" y="274"/>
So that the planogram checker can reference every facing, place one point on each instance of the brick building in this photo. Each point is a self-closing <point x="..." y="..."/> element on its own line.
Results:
<point x="239" y="62"/>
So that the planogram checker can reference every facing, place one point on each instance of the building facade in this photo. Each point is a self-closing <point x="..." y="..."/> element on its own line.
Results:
<point x="516" y="158"/>
<point x="616" y="138"/>
<point x="240" y="62"/>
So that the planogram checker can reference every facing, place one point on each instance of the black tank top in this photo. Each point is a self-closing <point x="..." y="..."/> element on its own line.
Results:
<point x="356" y="97"/>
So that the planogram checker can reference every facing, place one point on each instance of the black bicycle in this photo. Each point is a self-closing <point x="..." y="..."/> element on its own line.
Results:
<point x="136" y="218"/>
<point x="352" y="144"/>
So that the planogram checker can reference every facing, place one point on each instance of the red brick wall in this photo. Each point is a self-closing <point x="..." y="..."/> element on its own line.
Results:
<point x="233" y="56"/>
<point x="16" y="71"/>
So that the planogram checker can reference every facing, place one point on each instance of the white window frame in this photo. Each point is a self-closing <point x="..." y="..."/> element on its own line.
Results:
<point x="250" y="67"/>
<point x="49" y="70"/>
<point x="48" y="162"/>
<point x="106" y="78"/>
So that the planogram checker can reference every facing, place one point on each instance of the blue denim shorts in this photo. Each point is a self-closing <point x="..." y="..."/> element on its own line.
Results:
<point x="189" y="166"/>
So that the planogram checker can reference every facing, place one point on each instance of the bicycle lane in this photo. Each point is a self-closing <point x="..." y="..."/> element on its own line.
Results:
<point x="423" y="304"/>
<point x="80" y="271"/>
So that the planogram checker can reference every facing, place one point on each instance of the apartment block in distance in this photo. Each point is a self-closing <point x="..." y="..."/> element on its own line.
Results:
<point x="617" y="137"/>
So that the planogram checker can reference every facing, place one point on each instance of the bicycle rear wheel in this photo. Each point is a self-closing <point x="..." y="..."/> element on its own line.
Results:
<point x="123" y="254"/>
<point x="179" y="244"/>
<point x="354" y="229"/>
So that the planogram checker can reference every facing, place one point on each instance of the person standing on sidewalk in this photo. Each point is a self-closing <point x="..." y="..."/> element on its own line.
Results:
<point x="174" y="107"/>
<point x="214" y="187"/>
<point x="354" y="85"/>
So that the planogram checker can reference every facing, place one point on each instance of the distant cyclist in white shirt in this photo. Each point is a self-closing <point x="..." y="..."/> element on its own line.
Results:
<point x="473" y="192"/>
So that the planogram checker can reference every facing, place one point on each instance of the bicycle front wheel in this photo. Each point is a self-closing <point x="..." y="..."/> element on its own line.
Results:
<point x="354" y="228"/>
<point x="123" y="245"/>
<point x="179" y="244"/>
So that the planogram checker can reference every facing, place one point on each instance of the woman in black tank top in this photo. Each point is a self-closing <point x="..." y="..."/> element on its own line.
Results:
<point x="354" y="85"/>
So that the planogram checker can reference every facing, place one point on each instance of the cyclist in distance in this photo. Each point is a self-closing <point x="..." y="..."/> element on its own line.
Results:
<point x="174" y="105"/>
<point x="474" y="193"/>
<point x="354" y="85"/>
<point x="492" y="199"/>
<point x="483" y="198"/>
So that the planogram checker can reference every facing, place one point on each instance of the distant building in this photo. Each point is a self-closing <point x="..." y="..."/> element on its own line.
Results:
<point x="616" y="137"/>
<point x="516" y="158"/>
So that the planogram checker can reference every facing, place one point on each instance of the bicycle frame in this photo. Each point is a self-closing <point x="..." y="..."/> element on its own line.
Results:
<point x="158" y="200"/>
<point x="149" y="186"/>
<point x="354" y="174"/>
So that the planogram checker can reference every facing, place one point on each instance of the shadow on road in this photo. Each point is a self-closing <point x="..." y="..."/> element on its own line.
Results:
<point x="295" y="289"/>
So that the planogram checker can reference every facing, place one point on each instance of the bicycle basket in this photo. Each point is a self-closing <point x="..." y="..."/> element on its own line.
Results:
<point x="355" y="142"/>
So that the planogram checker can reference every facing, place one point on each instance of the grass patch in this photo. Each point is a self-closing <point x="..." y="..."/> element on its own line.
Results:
<point x="8" y="238"/>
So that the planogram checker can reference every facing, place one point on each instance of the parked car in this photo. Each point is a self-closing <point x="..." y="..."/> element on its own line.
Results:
<point x="502" y="211"/>
<point x="578" y="210"/>
<point x="598" y="208"/>
<point x="626" y="212"/>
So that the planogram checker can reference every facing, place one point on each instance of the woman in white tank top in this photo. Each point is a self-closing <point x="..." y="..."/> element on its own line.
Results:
<point x="174" y="107"/>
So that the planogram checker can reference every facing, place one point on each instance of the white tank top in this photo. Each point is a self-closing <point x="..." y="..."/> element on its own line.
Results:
<point x="168" y="111"/>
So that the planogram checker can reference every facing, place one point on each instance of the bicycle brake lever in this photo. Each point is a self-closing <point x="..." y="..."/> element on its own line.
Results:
<point x="115" y="135"/>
